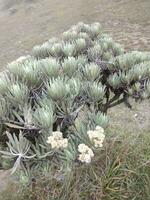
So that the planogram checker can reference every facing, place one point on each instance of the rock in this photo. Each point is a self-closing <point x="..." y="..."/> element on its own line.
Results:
<point x="12" y="11"/>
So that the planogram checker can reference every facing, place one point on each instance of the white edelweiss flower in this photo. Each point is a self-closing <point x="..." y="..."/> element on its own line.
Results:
<point x="90" y="152"/>
<point x="65" y="142"/>
<point x="57" y="141"/>
<point x="97" y="136"/>
<point x="82" y="148"/>
<point x="54" y="144"/>
<point x="90" y="133"/>
<point x="86" y="153"/>
<point x="85" y="158"/>
<point x="100" y="129"/>
<point x="81" y="157"/>
<point x="57" y="134"/>
<point x="93" y="134"/>
<point x="50" y="139"/>
<point x="101" y="136"/>
<point x="98" y="143"/>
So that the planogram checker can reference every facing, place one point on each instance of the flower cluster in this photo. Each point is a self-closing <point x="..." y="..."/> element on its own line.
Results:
<point x="57" y="141"/>
<point x="97" y="136"/>
<point x="86" y="153"/>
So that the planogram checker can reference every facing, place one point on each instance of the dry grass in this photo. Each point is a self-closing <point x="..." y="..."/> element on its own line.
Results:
<point x="113" y="174"/>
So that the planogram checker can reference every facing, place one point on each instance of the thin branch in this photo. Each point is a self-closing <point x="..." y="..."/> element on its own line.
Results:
<point x="19" y="125"/>
<point x="109" y="103"/>
<point x="116" y="103"/>
<point x="114" y="98"/>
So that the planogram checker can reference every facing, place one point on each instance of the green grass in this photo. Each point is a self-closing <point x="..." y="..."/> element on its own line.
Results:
<point x="120" y="172"/>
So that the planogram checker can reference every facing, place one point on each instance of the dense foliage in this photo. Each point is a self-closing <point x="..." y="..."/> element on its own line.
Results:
<point x="53" y="104"/>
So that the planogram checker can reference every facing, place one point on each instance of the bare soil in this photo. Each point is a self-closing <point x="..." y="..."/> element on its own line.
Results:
<point x="24" y="23"/>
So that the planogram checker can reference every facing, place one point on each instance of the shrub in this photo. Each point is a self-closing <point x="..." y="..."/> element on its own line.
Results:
<point x="53" y="104"/>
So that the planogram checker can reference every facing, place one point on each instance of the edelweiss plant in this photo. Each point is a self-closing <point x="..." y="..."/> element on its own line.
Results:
<point x="54" y="102"/>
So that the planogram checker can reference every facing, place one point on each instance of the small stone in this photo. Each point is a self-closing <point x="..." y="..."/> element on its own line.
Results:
<point x="135" y="115"/>
<point x="12" y="11"/>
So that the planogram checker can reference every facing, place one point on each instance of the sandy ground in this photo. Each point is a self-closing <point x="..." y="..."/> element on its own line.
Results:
<point x="25" y="23"/>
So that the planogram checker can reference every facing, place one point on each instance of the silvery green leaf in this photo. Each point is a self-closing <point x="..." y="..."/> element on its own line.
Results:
<point x="95" y="29"/>
<point x="43" y="117"/>
<point x="31" y="73"/>
<point x="18" y="93"/>
<point x="91" y="71"/>
<point x="56" y="50"/>
<point x="50" y="67"/>
<point x="96" y="92"/>
<point x="5" y="83"/>
<point x="43" y="51"/>
<point x="75" y="86"/>
<point x="84" y="36"/>
<point x="114" y="80"/>
<point x="19" y="148"/>
<point x="95" y="52"/>
<point x="117" y="49"/>
<point x="57" y="89"/>
<point x="69" y="49"/>
<point x="101" y="120"/>
<point x="81" y="27"/>
<point x="70" y="66"/>
<point x="69" y="35"/>
<point x="80" y="45"/>
<point x="128" y="60"/>
<point x="12" y="125"/>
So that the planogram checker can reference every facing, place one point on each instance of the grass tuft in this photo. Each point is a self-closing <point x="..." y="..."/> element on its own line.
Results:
<point x="120" y="172"/>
